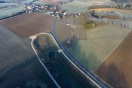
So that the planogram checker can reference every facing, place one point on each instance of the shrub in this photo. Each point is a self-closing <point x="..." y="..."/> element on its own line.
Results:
<point x="89" y="25"/>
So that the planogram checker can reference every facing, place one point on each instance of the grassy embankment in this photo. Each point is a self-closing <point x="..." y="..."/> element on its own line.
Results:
<point x="65" y="74"/>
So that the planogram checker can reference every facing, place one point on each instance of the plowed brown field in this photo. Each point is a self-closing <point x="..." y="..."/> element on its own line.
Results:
<point x="27" y="24"/>
<point x="117" y="69"/>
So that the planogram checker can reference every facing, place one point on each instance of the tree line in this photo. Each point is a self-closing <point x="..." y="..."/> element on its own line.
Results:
<point x="127" y="6"/>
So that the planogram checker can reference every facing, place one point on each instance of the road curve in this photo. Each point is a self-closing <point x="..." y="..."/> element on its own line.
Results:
<point x="86" y="72"/>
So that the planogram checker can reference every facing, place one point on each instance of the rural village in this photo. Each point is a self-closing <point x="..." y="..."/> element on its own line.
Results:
<point x="66" y="44"/>
<point x="51" y="10"/>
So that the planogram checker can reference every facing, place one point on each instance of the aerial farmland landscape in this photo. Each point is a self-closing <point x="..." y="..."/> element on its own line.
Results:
<point x="65" y="43"/>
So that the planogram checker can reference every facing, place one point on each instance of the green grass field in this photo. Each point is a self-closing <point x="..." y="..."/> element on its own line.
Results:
<point x="81" y="5"/>
<point x="27" y="1"/>
<point x="39" y="2"/>
<point x="11" y="11"/>
<point x="76" y="6"/>
<point x="101" y="41"/>
<point x="7" y="4"/>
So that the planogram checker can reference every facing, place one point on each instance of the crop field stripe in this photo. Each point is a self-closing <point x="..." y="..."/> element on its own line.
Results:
<point x="15" y="52"/>
<point x="18" y="70"/>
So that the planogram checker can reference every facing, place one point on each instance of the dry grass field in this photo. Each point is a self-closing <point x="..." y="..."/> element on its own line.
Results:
<point x="26" y="24"/>
<point x="117" y="69"/>
<point x="79" y="31"/>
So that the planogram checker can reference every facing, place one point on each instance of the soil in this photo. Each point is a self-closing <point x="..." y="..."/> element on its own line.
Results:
<point x="27" y="24"/>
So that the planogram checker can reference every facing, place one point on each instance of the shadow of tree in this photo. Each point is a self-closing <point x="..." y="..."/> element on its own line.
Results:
<point x="88" y="59"/>
<point x="112" y="75"/>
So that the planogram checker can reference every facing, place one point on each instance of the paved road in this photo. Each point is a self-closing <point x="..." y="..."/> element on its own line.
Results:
<point x="86" y="72"/>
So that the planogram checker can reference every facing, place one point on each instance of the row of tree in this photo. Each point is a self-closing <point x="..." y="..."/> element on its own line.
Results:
<point x="117" y="5"/>
<point x="112" y="14"/>
<point x="122" y="1"/>
<point x="90" y="21"/>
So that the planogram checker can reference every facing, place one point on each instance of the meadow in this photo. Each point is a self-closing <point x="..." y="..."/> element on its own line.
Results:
<point x="39" y="2"/>
<point x="101" y="41"/>
<point x="11" y="11"/>
<point x="94" y="45"/>
<point x="81" y="5"/>
<point x="7" y="4"/>
<point x="76" y="6"/>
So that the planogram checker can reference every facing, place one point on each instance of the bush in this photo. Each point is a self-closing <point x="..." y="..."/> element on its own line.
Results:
<point x="89" y="25"/>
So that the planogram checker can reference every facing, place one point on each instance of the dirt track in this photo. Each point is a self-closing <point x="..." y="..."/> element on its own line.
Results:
<point x="27" y="24"/>
<point x="117" y="69"/>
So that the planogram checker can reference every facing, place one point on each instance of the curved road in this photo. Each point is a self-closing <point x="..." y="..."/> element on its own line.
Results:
<point x="86" y="72"/>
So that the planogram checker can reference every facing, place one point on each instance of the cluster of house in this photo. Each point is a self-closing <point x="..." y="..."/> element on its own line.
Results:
<point x="50" y="10"/>
<point x="35" y="8"/>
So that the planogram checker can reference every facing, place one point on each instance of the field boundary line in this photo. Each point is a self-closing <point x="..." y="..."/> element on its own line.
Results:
<point x="112" y="51"/>
<point x="19" y="70"/>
